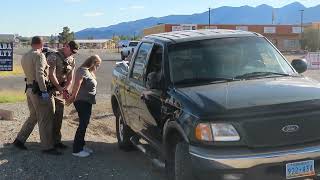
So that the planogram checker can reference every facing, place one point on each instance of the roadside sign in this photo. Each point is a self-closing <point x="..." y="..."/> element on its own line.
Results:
<point x="6" y="56"/>
<point x="183" y="27"/>
<point x="313" y="59"/>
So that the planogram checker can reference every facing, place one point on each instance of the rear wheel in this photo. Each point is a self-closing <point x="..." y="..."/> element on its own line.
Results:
<point x="124" y="133"/>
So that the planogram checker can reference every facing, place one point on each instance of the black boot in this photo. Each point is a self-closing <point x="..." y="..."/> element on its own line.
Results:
<point x="20" y="145"/>
<point x="52" y="151"/>
<point x="60" y="146"/>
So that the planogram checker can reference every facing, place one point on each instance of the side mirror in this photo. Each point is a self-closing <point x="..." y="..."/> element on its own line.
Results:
<point x="300" y="65"/>
<point x="153" y="80"/>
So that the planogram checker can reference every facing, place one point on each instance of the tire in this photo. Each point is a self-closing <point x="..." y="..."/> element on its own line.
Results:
<point x="124" y="133"/>
<point x="183" y="167"/>
<point x="178" y="163"/>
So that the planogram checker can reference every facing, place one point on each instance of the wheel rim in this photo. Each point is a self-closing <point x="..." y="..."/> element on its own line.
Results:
<point x="121" y="127"/>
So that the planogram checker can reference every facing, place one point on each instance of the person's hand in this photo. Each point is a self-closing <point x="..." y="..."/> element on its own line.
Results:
<point x="45" y="96"/>
<point x="60" y="89"/>
<point x="66" y="94"/>
<point x="70" y="100"/>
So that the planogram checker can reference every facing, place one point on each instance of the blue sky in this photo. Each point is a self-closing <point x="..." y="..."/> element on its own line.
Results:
<point x="44" y="17"/>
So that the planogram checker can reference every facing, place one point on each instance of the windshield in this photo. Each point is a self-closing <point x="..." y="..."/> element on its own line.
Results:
<point x="132" y="44"/>
<point x="225" y="59"/>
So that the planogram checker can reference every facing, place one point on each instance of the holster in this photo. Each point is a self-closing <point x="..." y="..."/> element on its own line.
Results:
<point x="36" y="88"/>
<point x="28" y="86"/>
<point x="50" y="86"/>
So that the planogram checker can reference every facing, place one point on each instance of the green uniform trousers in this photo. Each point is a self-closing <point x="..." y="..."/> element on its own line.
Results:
<point x="59" y="103"/>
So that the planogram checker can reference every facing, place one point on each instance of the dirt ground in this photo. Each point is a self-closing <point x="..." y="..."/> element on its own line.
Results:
<point x="108" y="162"/>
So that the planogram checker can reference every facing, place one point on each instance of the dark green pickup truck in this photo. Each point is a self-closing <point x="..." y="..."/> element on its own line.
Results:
<point x="220" y="105"/>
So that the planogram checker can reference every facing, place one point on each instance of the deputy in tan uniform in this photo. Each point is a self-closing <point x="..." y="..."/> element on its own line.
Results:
<point x="62" y="64"/>
<point x="35" y="68"/>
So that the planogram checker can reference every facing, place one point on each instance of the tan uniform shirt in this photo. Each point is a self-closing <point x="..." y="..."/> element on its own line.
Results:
<point x="61" y="66"/>
<point x="35" y="68"/>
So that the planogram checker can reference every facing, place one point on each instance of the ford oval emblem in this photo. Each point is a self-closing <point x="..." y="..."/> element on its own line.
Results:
<point x="290" y="128"/>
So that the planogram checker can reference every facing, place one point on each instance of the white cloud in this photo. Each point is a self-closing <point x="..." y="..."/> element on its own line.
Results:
<point x="136" y="7"/>
<point x="72" y="1"/>
<point x="131" y="8"/>
<point x="93" y="14"/>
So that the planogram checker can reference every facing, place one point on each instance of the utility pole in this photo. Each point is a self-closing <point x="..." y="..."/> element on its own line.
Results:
<point x="319" y="36"/>
<point x="209" y="18"/>
<point x="301" y="35"/>
<point x="273" y="17"/>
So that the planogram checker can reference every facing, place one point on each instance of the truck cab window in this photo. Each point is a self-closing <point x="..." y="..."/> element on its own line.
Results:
<point x="140" y="62"/>
<point x="155" y="61"/>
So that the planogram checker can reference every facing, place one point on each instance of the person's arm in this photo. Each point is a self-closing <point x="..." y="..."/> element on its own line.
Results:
<point x="77" y="83"/>
<point x="40" y="72"/>
<point x="69" y="80"/>
<point x="52" y="72"/>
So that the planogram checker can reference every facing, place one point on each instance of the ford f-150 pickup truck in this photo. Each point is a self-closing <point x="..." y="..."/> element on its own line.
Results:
<point x="219" y="105"/>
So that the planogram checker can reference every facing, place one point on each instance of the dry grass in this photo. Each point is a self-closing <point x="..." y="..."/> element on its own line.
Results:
<point x="17" y="71"/>
<point x="12" y="96"/>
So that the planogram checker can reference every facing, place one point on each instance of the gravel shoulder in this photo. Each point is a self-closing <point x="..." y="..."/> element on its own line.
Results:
<point x="108" y="162"/>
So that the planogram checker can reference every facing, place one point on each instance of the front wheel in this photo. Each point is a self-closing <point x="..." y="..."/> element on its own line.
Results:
<point x="178" y="163"/>
<point x="124" y="133"/>
<point x="183" y="167"/>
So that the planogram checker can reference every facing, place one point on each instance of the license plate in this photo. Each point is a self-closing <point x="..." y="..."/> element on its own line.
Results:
<point x="300" y="169"/>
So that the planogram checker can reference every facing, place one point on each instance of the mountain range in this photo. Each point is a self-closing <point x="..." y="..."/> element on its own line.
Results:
<point x="262" y="14"/>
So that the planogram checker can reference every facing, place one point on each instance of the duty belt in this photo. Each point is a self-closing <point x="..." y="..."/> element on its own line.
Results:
<point x="28" y="86"/>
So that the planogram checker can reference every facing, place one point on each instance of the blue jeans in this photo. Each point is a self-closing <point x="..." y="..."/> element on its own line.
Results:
<point x="84" y="110"/>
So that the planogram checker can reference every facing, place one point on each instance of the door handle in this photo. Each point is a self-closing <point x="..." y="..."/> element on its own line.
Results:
<point x="128" y="89"/>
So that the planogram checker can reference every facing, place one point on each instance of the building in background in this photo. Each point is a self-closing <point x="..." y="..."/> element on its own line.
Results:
<point x="96" y="44"/>
<point x="285" y="37"/>
<point x="313" y="25"/>
<point x="9" y="38"/>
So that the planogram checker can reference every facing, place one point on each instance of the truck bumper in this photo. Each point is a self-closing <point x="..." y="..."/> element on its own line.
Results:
<point x="245" y="164"/>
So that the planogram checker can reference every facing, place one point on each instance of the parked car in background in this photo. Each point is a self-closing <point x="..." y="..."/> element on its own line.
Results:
<point x="128" y="48"/>
<point x="219" y="105"/>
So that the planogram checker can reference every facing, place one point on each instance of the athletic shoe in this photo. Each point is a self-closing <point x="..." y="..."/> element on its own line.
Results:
<point x="81" y="154"/>
<point x="88" y="150"/>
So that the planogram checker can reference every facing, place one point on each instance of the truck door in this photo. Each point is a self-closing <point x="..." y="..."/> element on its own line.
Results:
<point x="136" y="86"/>
<point x="151" y="99"/>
